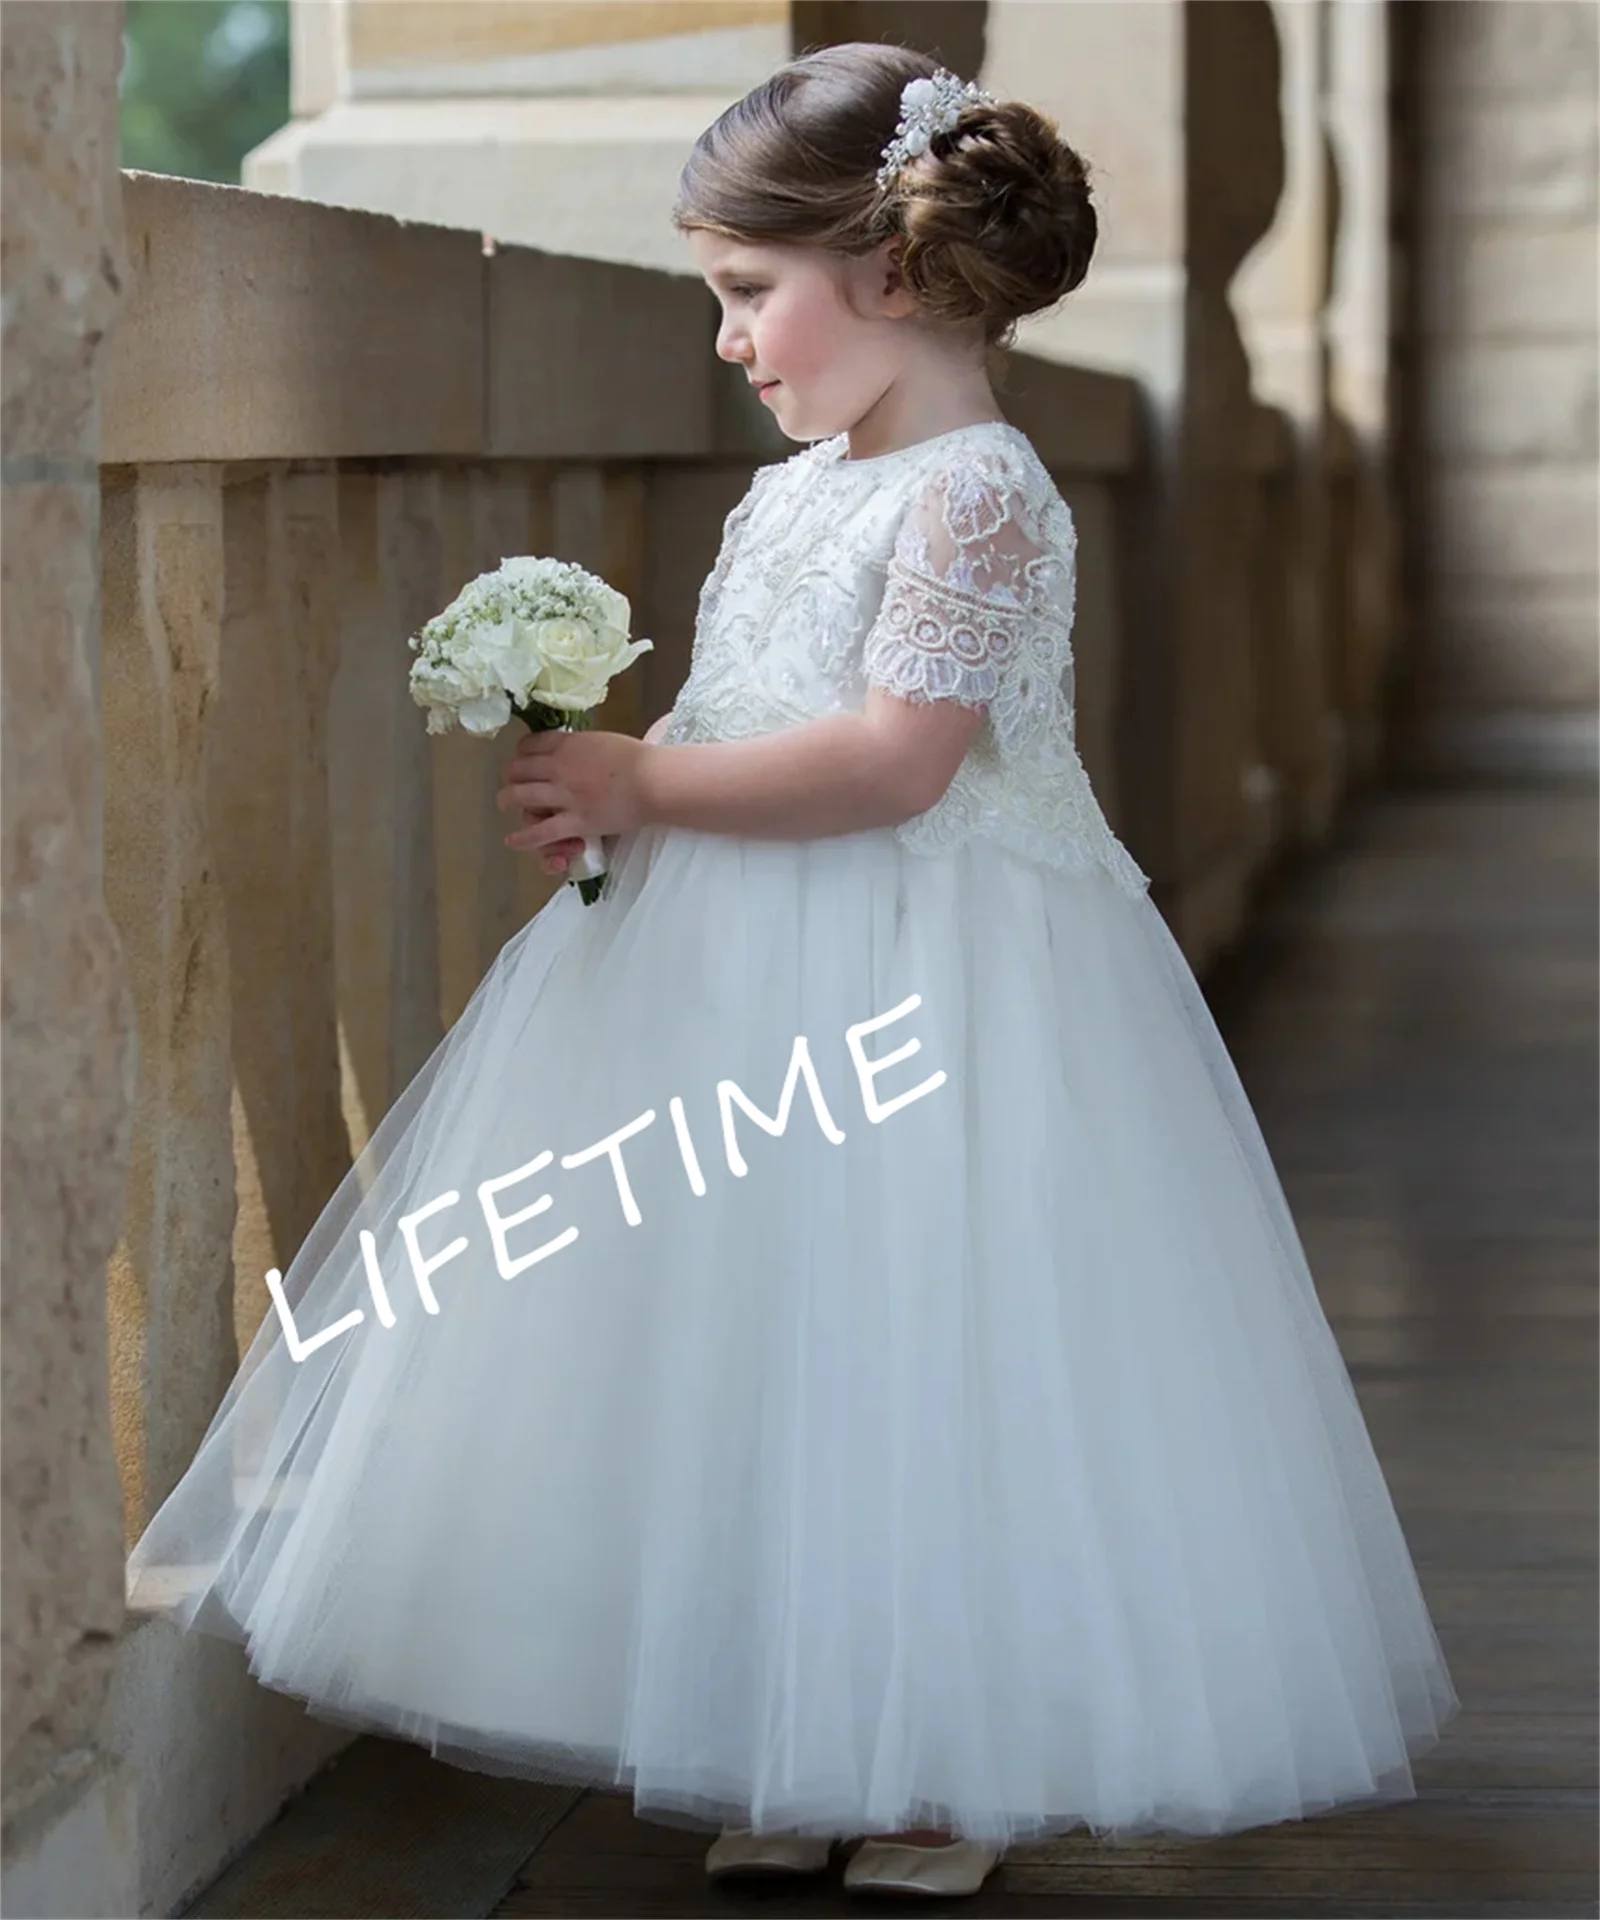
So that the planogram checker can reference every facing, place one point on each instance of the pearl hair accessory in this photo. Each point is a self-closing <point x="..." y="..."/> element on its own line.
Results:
<point x="927" y="107"/>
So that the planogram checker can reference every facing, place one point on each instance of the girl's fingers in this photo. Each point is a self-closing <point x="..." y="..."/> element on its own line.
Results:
<point x="568" y="845"/>
<point x="539" y="836"/>
<point x="545" y="831"/>
<point x="529" y="796"/>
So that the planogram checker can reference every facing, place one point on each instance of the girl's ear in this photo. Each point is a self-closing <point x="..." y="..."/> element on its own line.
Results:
<point x="892" y="289"/>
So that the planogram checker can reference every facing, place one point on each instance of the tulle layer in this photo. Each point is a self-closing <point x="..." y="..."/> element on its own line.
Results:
<point x="903" y="1400"/>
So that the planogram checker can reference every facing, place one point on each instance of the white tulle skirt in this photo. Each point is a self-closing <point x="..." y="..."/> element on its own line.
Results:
<point x="902" y="1400"/>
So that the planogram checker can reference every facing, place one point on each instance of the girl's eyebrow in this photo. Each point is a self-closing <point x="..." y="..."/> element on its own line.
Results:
<point x="732" y="273"/>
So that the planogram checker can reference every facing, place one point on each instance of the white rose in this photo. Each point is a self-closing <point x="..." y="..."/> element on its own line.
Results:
<point x="579" y="661"/>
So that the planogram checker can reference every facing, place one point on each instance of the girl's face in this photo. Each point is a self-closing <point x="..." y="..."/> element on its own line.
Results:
<point x="786" y="321"/>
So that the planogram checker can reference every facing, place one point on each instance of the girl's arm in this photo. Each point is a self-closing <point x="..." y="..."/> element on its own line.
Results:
<point x="840" y="773"/>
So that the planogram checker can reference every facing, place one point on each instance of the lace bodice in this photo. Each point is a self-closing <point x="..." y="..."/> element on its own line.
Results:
<point x="941" y="571"/>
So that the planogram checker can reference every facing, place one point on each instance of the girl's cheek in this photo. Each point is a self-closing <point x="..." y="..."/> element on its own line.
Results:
<point x="775" y="343"/>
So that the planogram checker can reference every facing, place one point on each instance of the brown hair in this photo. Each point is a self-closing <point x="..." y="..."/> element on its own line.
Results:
<point x="996" y="215"/>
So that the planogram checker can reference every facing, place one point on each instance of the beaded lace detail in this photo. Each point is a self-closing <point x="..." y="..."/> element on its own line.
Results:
<point x="943" y="571"/>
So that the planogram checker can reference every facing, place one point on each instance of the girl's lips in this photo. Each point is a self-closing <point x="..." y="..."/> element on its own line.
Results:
<point x="765" y="388"/>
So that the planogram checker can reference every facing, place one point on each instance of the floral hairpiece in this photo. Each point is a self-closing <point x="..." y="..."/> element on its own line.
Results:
<point x="927" y="107"/>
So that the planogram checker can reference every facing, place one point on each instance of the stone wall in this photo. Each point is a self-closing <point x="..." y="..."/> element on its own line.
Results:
<point x="69" y="1844"/>
<point x="1501" y="501"/>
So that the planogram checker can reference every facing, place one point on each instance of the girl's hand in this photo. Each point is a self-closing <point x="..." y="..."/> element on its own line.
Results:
<point x="572" y="786"/>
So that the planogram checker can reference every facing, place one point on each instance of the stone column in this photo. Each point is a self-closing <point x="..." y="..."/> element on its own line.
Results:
<point x="952" y="31"/>
<point x="171" y="1277"/>
<point x="1176" y="107"/>
<point x="564" y="126"/>
<point x="1358" y="322"/>
<point x="1279" y="295"/>
<point x="270" y="808"/>
<point x="1503" y="469"/>
<point x="69" y="1842"/>
<point x="380" y="797"/>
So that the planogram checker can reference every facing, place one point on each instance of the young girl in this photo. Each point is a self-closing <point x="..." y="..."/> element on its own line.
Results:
<point x="822" y="1344"/>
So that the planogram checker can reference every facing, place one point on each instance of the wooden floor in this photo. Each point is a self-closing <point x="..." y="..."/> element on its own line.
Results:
<point x="1416" y="1026"/>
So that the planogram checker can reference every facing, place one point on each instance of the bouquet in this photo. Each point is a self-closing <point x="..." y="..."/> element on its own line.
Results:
<point x="538" y="639"/>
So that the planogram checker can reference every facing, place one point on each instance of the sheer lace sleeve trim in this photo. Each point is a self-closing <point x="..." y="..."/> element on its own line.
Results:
<point x="965" y="610"/>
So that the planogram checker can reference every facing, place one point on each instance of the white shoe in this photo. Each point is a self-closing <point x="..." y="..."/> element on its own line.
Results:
<point x="737" y="1850"/>
<point x="891" y="1866"/>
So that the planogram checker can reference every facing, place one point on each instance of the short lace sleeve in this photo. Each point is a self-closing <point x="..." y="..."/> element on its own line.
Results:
<point x="964" y="610"/>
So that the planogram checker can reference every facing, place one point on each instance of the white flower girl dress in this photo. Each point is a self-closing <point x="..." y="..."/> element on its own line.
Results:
<point x="821" y="1344"/>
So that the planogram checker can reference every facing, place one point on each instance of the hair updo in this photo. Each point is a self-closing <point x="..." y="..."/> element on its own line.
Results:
<point x="995" y="215"/>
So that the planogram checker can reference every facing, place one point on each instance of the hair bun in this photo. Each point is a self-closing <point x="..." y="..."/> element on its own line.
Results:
<point x="998" y="218"/>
